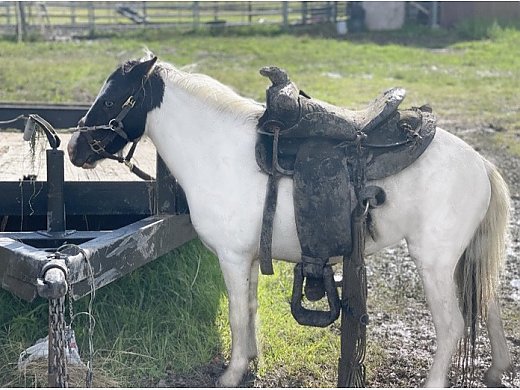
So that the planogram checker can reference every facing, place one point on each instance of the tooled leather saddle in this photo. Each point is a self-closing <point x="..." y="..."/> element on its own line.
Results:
<point x="330" y="152"/>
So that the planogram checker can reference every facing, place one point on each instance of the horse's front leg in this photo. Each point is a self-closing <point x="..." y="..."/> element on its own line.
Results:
<point x="237" y="273"/>
<point x="253" y="307"/>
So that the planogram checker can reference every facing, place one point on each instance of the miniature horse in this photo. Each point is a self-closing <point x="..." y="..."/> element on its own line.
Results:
<point x="451" y="205"/>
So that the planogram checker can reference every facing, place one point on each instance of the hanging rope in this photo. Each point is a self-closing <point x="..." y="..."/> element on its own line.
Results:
<point x="89" y="377"/>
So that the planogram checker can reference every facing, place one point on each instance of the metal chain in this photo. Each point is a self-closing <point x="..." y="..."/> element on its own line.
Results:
<point x="58" y="373"/>
<point x="69" y="286"/>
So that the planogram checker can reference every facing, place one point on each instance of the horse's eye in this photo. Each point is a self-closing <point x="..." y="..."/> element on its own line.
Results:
<point x="109" y="103"/>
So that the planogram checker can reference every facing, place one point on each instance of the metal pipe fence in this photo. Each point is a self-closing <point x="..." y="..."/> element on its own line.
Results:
<point x="87" y="17"/>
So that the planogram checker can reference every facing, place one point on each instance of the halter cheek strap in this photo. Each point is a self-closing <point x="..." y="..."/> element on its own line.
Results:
<point x="116" y="128"/>
<point x="116" y="124"/>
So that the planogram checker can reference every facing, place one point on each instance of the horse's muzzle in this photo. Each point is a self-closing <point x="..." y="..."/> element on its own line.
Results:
<point x="73" y="150"/>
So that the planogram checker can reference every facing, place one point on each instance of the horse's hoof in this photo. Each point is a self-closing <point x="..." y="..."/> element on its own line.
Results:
<point x="493" y="378"/>
<point x="227" y="380"/>
<point x="253" y="356"/>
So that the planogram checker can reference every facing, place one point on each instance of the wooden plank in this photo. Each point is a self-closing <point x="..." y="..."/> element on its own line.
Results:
<point x="16" y="161"/>
<point x="61" y="116"/>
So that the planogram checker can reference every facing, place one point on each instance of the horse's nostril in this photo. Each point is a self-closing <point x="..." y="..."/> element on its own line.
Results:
<point x="81" y="122"/>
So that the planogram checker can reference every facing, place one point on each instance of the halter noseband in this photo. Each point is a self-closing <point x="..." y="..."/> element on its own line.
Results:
<point x="116" y="127"/>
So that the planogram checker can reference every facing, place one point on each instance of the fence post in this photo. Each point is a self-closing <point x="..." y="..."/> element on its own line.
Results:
<point x="304" y="12"/>
<point x="145" y="14"/>
<point x="196" y="15"/>
<point x="72" y="14"/>
<point x="91" y="18"/>
<point x="8" y="13"/>
<point x="435" y="14"/>
<point x="285" y="13"/>
<point x="21" y="25"/>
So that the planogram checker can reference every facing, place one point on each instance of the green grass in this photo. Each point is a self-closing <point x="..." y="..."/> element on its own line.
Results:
<point x="160" y="316"/>
<point x="172" y="314"/>
<point x="285" y="344"/>
<point x="468" y="81"/>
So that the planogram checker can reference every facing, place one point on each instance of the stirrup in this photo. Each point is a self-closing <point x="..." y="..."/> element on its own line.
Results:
<point x="309" y="317"/>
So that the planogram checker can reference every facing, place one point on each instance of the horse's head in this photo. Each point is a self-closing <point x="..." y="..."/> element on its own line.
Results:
<point x="118" y="115"/>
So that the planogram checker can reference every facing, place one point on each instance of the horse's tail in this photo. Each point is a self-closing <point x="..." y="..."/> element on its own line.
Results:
<point x="478" y="270"/>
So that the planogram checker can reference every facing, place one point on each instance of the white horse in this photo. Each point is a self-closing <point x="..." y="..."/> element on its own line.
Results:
<point x="451" y="205"/>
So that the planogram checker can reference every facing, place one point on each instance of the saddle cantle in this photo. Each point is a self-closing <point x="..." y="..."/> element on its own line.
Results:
<point x="330" y="152"/>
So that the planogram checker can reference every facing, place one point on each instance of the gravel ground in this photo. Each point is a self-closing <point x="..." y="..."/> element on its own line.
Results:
<point x="403" y="327"/>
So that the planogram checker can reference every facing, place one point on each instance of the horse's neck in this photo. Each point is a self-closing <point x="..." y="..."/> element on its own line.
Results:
<point x="202" y="145"/>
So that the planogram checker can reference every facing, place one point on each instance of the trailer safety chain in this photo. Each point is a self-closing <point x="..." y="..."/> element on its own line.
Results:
<point x="57" y="287"/>
<point x="53" y="286"/>
<point x="58" y="373"/>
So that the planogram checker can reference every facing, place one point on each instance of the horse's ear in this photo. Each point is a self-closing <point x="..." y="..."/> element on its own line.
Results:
<point x="143" y="69"/>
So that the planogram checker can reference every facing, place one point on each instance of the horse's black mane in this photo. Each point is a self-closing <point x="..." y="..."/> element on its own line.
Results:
<point x="128" y="65"/>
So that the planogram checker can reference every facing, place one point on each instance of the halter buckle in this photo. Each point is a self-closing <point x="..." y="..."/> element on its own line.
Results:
<point x="130" y="102"/>
<point x="129" y="164"/>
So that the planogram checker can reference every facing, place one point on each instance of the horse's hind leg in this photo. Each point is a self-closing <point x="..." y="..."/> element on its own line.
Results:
<point x="501" y="359"/>
<point x="237" y="272"/>
<point x="436" y="267"/>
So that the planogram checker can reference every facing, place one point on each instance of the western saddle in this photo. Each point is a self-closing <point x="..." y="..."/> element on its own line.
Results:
<point x="331" y="152"/>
